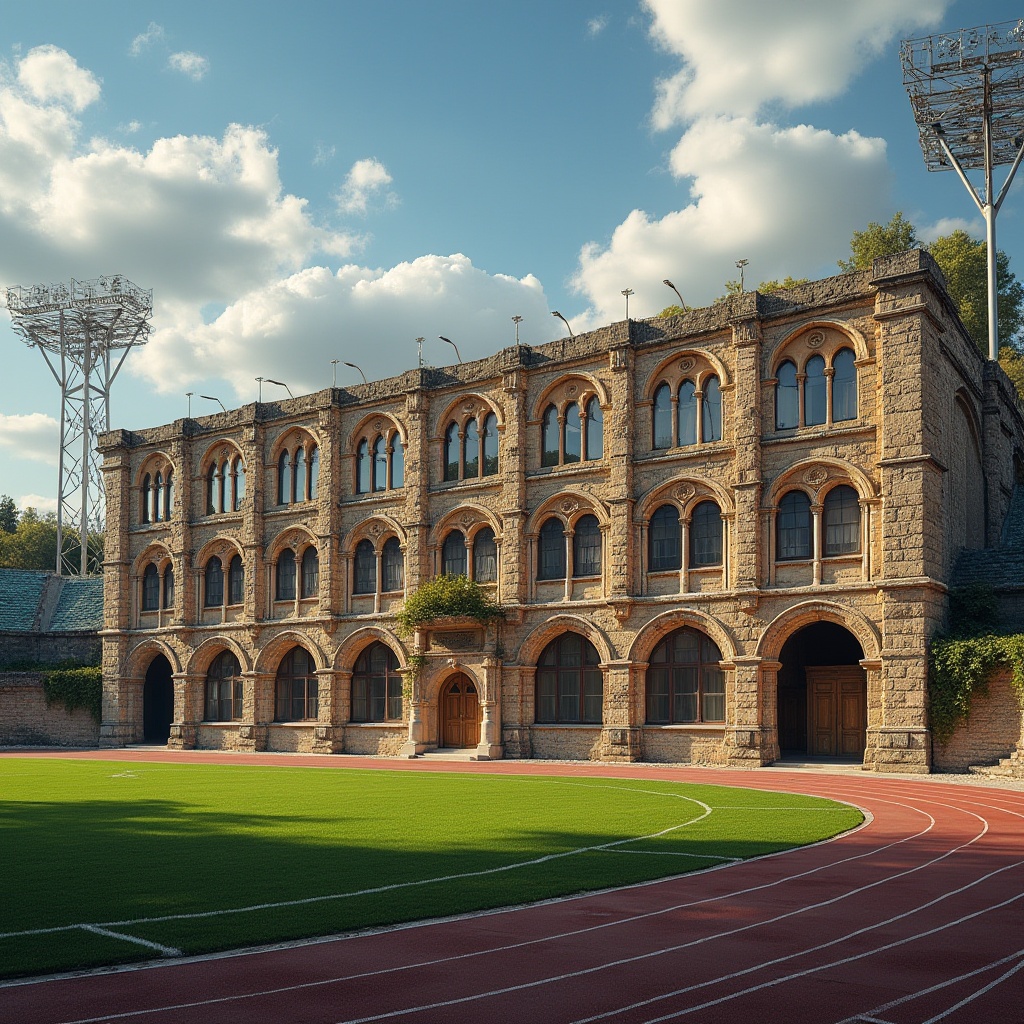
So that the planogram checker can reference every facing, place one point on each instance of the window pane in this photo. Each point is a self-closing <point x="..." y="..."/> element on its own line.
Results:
<point x="711" y="404"/>
<point x="662" y="417"/>
<point x="239" y="485"/>
<point x="794" y="526"/>
<point x="551" y="551"/>
<point x="595" y="430"/>
<point x="706" y="535"/>
<point x="314" y="473"/>
<point x="214" y="583"/>
<point x="844" y="387"/>
<point x="485" y="556"/>
<point x="787" y="398"/>
<point x="236" y="581"/>
<point x="471" y="442"/>
<point x="490" y="445"/>
<point x="158" y="498"/>
<point x="310" y="573"/>
<point x="285" y="576"/>
<point x="687" y="413"/>
<point x="549" y="437"/>
<point x="284" y="478"/>
<point x="150" y="589"/>
<point x="393" y="569"/>
<point x="684" y="683"/>
<point x="573" y="440"/>
<point x="842" y="522"/>
<point x="168" y="587"/>
<point x="586" y="547"/>
<point x="663" y="539"/>
<point x="299" y="476"/>
<point x="211" y="490"/>
<point x="397" y="462"/>
<point x="365" y="568"/>
<point x="569" y="685"/>
<point x="380" y="465"/>
<point x="453" y="554"/>
<point x="814" y="392"/>
<point x="363" y="468"/>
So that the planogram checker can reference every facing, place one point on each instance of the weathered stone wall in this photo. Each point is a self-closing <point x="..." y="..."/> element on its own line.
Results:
<point x="26" y="720"/>
<point x="49" y="648"/>
<point x="991" y="731"/>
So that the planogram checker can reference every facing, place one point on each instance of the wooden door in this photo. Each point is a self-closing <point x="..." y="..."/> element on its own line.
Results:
<point x="460" y="713"/>
<point x="837" y="710"/>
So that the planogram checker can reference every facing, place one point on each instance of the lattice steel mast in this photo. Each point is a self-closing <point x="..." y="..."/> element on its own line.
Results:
<point x="967" y="92"/>
<point x="77" y="328"/>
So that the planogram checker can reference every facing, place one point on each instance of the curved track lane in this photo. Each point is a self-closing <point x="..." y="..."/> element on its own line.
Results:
<point x="912" y="919"/>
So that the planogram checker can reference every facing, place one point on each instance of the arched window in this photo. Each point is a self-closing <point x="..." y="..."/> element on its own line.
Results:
<point x="145" y="499"/>
<point x="573" y="438"/>
<point x="296" y="689"/>
<point x="214" y="583"/>
<point x="684" y="682"/>
<point x="687" y="413"/>
<point x="363" y="467"/>
<point x="549" y="437"/>
<point x="706" y="535"/>
<point x="662" y="417"/>
<point x="551" y="551"/>
<point x="224" y="689"/>
<point x="314" y="473"/>
<point x="150" y="588"/>
<point x="814" y="392"/>
<point x="299" y="475"/>
<point x="237" y="484"/>
<point x="212" y="490"/>
<point x="663" y="540"/>
<point x="787" y="397"/>
<point x="485" y="556"/>
<point x="490" y="444"/>
<point x="451" y="452"/>
<point x="310" y="572"/>
<point x="158" y="497"/>
<point x="169" y="495"/>
<point x="169" y="587"/>
<point x="570" y="687"/>
<point x="844" y="386"/>
<point x="285" y="584"/>
<point x="586" y="547"/>
<point x="842" y="522"/>
<point x="595" y="430"/>
<point x="453" y="554"/>
<point x="284" y="478"/>
<point x="377" y="686"/>
<point x="397" y="461"/>
<point x="380" y="464"/>
<point x="236" y="581"/>
<point x="794" y="526"/>
<point x="711" y="411"/>
<point x="471" y="450"/>
<point x="392" y="566"/>
<point x="365" y="569"/>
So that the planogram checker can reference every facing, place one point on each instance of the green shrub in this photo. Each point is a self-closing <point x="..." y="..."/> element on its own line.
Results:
<point x="448" y="597"/>
<point x="76" y="688"/>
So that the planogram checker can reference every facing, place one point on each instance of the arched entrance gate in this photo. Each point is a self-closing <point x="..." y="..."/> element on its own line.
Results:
<point x="822" y="694"/>
<point x="459" y="724"/>
<point x="157" y="701"/>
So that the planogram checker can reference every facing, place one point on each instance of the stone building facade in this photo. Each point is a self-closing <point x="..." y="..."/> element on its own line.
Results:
<point x="717" y="538"/>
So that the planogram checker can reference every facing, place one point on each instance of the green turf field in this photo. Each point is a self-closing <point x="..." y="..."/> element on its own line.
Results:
<point x="195" y="858"/>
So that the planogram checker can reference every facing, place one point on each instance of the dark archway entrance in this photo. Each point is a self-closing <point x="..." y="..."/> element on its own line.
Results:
<point x="822" y="695"/>
<point x="157" y="701"/>
<point x="460" y="713"/>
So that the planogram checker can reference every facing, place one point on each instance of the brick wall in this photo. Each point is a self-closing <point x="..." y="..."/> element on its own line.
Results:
<point x="27" y="721"/>
<point x="990" y="733"/>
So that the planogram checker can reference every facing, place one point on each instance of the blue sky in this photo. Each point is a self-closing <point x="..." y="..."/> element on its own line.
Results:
<point x="331" y="180"/>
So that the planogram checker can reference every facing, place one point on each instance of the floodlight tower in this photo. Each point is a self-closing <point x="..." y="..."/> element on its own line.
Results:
<point x="78" y="328"/>
<point x="967" y="92"/>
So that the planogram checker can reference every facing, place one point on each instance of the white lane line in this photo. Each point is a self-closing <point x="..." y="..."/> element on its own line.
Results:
<point x="166" y="950"/>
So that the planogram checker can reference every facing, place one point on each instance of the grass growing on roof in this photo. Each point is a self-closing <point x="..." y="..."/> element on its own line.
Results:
<point x="205" y="857"/>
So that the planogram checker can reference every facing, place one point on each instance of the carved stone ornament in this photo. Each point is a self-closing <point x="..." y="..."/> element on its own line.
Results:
<point x="687" y="364"/>
<point x="376" y="529"/>
<point x="569" y="506"/>
<point x="684" y="492"/>
<point x="815" y="340"/>
<point x="468" y="408"/>
<point x="378" y="425"/>
<point x="816" y="476"/>
<point x="571" y="390"/>
<point x="225" y="453"/>
<point x="466" y="519"/>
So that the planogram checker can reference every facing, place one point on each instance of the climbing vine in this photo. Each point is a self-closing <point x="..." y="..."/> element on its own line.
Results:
<point x="75" y="688"/>
<point x="448" y="597"/>
<point x="961" y="660"/>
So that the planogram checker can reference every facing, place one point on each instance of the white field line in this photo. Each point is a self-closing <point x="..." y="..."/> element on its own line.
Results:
<point x="166" y="950"/>
<point x="574" y="933"/>
<point x="394" y="886"/>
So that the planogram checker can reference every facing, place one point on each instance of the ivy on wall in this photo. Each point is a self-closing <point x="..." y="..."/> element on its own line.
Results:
<point x="962" y="659"/>
<point x="75" y="688"/>
<point x="448" y="597"/>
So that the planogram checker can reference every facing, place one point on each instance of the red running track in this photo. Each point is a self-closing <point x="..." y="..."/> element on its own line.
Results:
<point x="913" y="919"/>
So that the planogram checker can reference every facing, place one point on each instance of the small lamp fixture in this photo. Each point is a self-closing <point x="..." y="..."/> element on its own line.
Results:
<point x="555" y="312"/>
<point x="453" y="345"/>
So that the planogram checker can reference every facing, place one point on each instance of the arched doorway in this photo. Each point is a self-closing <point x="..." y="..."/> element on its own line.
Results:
<point x="822" y="694"/>
<point x="460" y="713"/>
<point x="157" y="701"/>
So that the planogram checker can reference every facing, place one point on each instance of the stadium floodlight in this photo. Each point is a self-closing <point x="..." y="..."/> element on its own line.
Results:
<point x="966" y="90"/>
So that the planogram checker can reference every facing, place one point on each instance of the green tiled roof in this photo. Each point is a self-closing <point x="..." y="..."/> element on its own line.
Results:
<point x="80" y="606"/>
<point x="21" y="590"/>
<point x="1001" y="568"/>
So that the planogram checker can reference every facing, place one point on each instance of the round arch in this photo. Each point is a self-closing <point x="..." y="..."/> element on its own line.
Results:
<point x="664" y="371"/>
<point x="298" y="537"/>
<point x="780" y="629"/>
<point x="684" y="493"/>
<point x="377" y="529"/>
<point x="654" y="631"/>
<point x="220" y="545"/>
<point x="534" y="643"/>
<point x="291" y="436"/>
<point x="357" y="642"/>
<point x="154" y="462"/>
<point x="137" y="660"/>
<point x="567" y="506"/>
<point x="455" y="410"/>
<point x="849" y="337"/>
<point x="203" y="656"/>
<point x="375" y="423"/>
<point x="468" y="518"/>
<point x="269" y="658"/>
<point x="811" y="476"/>
<point x="585" y="385"/>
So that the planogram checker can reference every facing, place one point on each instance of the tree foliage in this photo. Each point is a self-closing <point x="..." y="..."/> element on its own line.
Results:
<point x="8" y="514"/>
<point x="32" y="541"/>
<point x="879" y="240"/>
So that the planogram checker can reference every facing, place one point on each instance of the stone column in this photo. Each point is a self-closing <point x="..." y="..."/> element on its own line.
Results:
<point x="620" y="737"/>
<point x="490" y="748"/>
<point x="328" y="736"/>
<point x="742" y="746"/>
<point x="257" y="710"/>
<point x="189" y="694"/>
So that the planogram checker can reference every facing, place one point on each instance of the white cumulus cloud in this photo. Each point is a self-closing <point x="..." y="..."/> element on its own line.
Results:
<point x="39" y="502"/>
<point x="48" y="73"/>
<point x="190" y="64"/>
<point x="366" y="180"/>
<point x="33" y="436"/>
